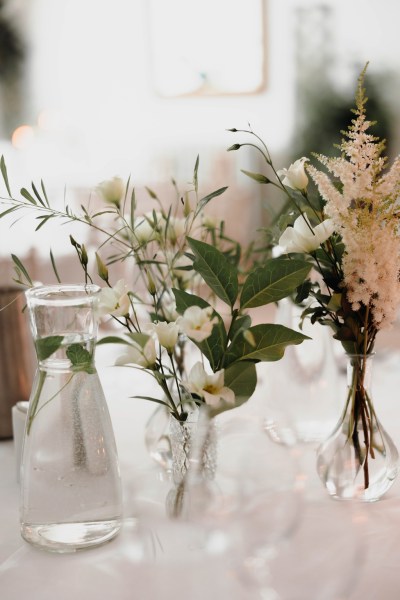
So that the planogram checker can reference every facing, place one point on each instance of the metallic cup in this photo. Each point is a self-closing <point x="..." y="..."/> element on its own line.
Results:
<point x="17" y="363"/>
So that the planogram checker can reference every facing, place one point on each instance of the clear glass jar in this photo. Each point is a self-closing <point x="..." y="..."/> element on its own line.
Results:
<point x="70" y="481"/>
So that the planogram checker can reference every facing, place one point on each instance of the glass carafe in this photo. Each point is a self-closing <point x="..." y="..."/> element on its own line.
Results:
<point x="70" y="482"/>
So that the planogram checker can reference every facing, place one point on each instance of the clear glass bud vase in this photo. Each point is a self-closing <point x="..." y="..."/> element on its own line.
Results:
<point x="359" y="459"/>
<point x="183" y="434"/>
<point x="194" y="460"/>
<point x="70" y="481"/>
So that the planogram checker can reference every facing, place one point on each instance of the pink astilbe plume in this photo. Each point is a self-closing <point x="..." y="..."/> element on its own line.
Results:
<point x="365" y="210"/>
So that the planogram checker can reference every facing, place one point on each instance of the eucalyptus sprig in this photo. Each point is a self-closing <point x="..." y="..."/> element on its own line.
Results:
<point x="190" y="279"/>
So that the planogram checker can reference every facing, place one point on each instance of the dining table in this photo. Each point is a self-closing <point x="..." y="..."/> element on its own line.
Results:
<point x="336" y="550"/>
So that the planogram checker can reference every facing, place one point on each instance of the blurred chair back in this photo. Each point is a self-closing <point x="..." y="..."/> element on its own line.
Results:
<point x="17" y="362"/>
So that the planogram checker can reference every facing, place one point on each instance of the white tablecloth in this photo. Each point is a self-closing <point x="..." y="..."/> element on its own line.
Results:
<point x="334" y="541"/>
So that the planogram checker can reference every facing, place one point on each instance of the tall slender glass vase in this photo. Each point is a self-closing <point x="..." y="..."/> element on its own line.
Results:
<point x="359" y="459"/>
<point x="70" y="482"/>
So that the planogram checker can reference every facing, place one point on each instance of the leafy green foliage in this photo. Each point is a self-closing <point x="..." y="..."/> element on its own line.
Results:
<point x="240" y="325"/>
<point x="21" y="271"/>
<point x="112" y="339"/>
<point x="4" y="174"/>
<point x="216" y="270"/>
<point x="46" y="346"/>
<point x="277" y="279"/>
<point x="269" y="343"/>
<point x="204" y="201"/>
<point x="81" y="359"/>
<point x="168" y="259"/>
<point x="241" y="377"/>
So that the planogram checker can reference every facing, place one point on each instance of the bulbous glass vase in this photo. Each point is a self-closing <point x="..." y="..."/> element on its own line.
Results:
<point x="359" y="459"/>
<point x="70" y="481"/>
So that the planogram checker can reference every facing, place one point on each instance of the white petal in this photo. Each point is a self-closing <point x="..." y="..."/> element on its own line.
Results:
<point x="197" y="376"/>
<point x="228" y="395"/>
<point x="324" y="230"/>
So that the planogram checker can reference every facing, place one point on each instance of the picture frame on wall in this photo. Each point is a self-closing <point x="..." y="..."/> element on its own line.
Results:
<point x="207" y="48"/>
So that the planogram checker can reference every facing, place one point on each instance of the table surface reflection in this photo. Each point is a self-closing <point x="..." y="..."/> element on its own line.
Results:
<point x="355" y="544"/>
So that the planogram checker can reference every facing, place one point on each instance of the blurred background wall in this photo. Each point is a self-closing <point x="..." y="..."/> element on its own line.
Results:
<point x="90" y="89"/>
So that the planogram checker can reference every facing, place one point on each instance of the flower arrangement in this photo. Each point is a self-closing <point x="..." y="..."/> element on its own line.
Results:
<point x="349" y="230"/>
<point x="185" y="287"/>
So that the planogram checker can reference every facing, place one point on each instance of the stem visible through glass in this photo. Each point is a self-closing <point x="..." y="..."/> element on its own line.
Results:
<point x="361" y="409"/>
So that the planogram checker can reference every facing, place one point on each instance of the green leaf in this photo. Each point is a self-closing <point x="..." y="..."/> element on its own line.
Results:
<point x="80" y="358"/>
<point x="132" y="209"/>
<point x="4" y="173"/>
<point x="350" y="347"/>
<point x="35" y="191"/>
<point x="256" y="176"/>
<point x="111" y="339"/>
<point x="303" y="291"/>
<point x="151" y="399"/>
<point x="89" y="218"/>
<point x="152" y="194"/>
<point x="195" y="174"/>
<point x="43" y="220"/>
<point x="21" y="267"/>
<point x="202" y="203"/>
<point x="44" y="192"/>
<point x="86" y="214"/>
<point x="183" y="300"/>
<point x="216" y="270"/>
<point x="275" y="280"/>
<point x="270" y="343"/>
<point x="242" y="379"/>
<point x="241" y="324"/>
<point x="46" y="346"/>
<point x="28" y="196"/>
<point x="214" y="346"/>
<point x="53" y="264"/>
<point x="8" y="211"/>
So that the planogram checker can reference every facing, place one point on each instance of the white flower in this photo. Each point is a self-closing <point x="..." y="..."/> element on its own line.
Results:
<point x="135" y="354"/>
<point x="143" y="230"/>
<point x="210" y="222"/>
<point x="167" y="334"/>
<point x="209" y="387"/>
<point x="114" y="301"/>
<point x="168" y="308"/>
<point x="303" y="238"/>
<point x="112" y="190"/>
<point x="295" y="176"/>
<point x="175" y="228"/>
<point x="196" y="322"/>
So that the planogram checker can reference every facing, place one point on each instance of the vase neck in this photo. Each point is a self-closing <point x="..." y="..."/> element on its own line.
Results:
<point x="64" y="325"/>
<point x="359" y="370"/>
